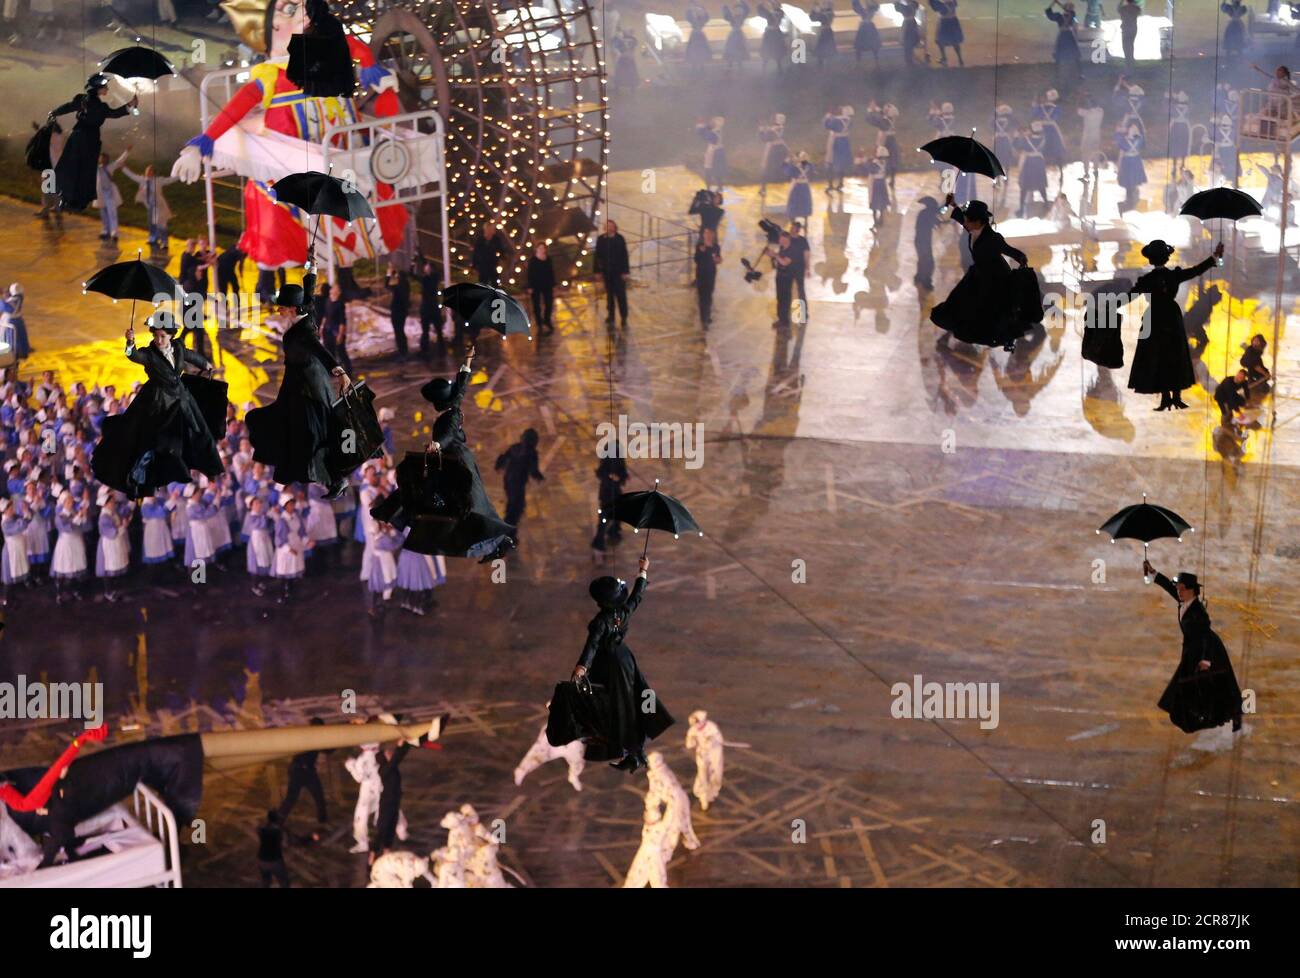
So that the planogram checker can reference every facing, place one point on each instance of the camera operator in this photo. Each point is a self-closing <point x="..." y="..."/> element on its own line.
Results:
<point x="708" y="205"/>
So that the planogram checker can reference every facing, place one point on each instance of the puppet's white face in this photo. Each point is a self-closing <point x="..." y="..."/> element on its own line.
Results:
<point x="289" y="18"/>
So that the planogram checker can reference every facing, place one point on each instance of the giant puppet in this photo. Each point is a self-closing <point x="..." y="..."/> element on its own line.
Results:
<point x="275" y="234"/>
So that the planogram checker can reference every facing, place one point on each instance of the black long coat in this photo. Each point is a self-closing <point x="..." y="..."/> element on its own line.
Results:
<point x="165" y="432"/>
<point x="980" y="309"/>
<point x="1198" y="700"/>
<point x="292" y="433"/>
<point x="441" y="497"/>
<point x="614" y="717"/>
<point x="1162" y="361"/>
<point x="74" y="174"/>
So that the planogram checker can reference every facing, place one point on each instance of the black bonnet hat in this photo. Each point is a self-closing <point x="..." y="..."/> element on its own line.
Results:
<point x="608" y="592"/>
<point x="978" y="210"/>
<point x="1157" y="251"/>
<point x="163" y="320"/>
<point x="438" y="393"/>
<point x="291" y="295"/>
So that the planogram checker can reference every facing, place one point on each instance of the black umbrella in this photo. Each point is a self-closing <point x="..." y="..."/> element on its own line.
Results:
<point x="1221" y="203"/>
<point x="483" y="307"/>
<point x="653" y="510"/>
<point x="134" y="280"/>
<point x="965" y="154"/>
<point x="322" y="194"/>
<point x="1145" y="522"/>
<point x="137" y="62"/>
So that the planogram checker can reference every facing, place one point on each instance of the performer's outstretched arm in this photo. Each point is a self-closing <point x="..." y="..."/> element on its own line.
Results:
<point x="40" y="794"/>
<point x="638" y="589"/>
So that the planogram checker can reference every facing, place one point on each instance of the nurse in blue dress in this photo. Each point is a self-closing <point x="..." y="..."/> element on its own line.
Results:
<point x="1132" y="174"/>
<point x="839" y="147"/>
<point x="697" y="45"/>
<point x="1180" y="131"/>
<point x="736" y="50"/>
<point x="715" y="155"/>
<point x="798" y="202"/>
<point x="1004" y="130"/>
<point x="1048" y="112"/>
<point x="949" y="33"/>
<point x="775" y="152"/>
<point x="867" y="38"/>
<point x="1033" y="168"/>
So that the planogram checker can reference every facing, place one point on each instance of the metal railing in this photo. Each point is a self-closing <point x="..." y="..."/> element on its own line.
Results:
<point x="653" y="242"/>
<point x="153" y="813"/>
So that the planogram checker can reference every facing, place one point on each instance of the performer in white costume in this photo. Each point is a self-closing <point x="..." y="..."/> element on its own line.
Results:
<point x="541" y="752"/>
<point x="704" y="737"/>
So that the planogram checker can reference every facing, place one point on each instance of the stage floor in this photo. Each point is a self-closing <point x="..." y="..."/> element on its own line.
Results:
<point x="824" y="445"/>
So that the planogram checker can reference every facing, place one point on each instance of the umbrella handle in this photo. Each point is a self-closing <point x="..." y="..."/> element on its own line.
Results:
<point x="1145" y="548"/>
<point x="646" y="549"/>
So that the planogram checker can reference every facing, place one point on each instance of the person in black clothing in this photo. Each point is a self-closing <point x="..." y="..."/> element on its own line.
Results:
<point x="228" y="267"/>
<point x="489" y="250"/>
<point x="334" y="325"/>
<point x="1253" y="361"/>
<point x="76" y="173"/>
<point x="541" y="286"/>
<point x="611" y="475"/>
<point x="1231" y="396"/>
<point x="927" y="219"/>
<point x="303" y="775"/>
<point x="614" y="267"/>
<point x="270" y="851"/>
<point x="518" y="463"/>
<point x="390" y="759"/>
<point x="608" y="704"/>
<point x="783" y="265"/>
<point x="1162" y="361"/>
<point x="799" y="249"/>
<point x="399" y="306"/>
<point x="1203" y="691"/>
<point x="430" y="306"/>
<point x="979" y="310"/>
<point x="708" y="205"/>
<point x="708" y="256"/>
<point x="165" y="433"/>
<point x="292" y="433"/>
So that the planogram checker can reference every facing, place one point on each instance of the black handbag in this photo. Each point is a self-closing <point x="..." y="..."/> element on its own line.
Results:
<point x="355" y="426"/>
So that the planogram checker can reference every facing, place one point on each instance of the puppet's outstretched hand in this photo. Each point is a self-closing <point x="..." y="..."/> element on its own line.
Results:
<point x="189" y="165"/>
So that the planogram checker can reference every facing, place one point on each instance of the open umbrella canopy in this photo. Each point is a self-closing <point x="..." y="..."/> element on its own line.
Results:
<point x="654" y="510"/>
<point x="483" y="307"/>
<point x="1145" y="522"/>
<point x="966" y="154"/>
<point x="1221" y="203"/>
<point x="132" y="280"/>
<point x="322" y="194"/>
<point x="137" y="62"/>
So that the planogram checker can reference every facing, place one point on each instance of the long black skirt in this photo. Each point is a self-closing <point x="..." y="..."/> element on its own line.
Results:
<point x="443" y="503"/>
<point x="74" y="174"/>
<point x="1202" y="700"/>
<point x="157" y="441"/>
<point x="615" y="717"/>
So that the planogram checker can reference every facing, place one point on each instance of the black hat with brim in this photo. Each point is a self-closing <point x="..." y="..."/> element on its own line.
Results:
<point x="978" y="210"/>
<point x="1157" y="251"/>
<point x="608" y="592"/>
<point x="291" y="295"/>
<point x="438" y="392"/>
<point x="1188" y="580"/>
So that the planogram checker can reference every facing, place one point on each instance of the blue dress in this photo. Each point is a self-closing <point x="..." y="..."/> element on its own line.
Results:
<point x="1049" y="113"/>
<point x="715" y="155"/>
<point x="1131" y="171"/>
<point x="13" y="305"/>
<point x="735" y="49"/>
<point x="1003" y="146"/>
<point x="697" y="45"/>
<point x="1033" y="168"/>
<point x="949" y="32"/>
<point x="868" y="37"/>
<point x="798" y="203"/>
<point x="839" y="149"/>
<point x="1234" y="35"/>
<point x="1066" y="50"/>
